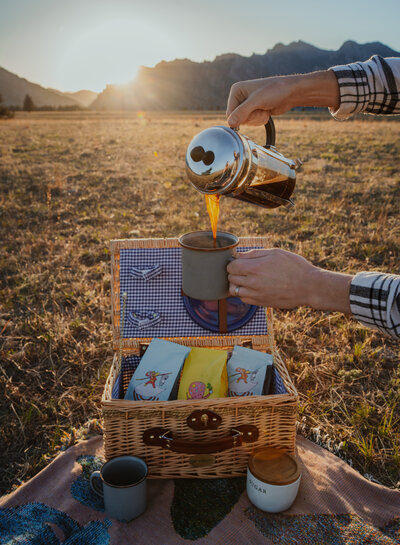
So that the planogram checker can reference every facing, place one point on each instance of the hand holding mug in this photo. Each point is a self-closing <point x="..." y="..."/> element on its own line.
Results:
<point x="280" y="279"/>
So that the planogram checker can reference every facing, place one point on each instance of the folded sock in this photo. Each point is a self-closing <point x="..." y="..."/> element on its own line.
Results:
<point x="146" y="274"/>
<point x="144" y="320"/>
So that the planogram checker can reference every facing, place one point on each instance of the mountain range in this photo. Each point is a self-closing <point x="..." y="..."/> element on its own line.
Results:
<point x="13" y="90"/>
<point x="186" y="85"/>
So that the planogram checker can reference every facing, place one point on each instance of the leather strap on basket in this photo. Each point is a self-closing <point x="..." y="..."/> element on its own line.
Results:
<point x="164" y="438"/>
<point x="222" y="315"/>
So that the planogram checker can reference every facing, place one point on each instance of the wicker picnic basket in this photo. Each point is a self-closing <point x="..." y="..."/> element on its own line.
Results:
<point x="205" y="438"/>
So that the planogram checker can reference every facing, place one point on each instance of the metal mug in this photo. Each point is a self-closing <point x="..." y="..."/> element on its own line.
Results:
<point x="204" y="274"/>
<point x="122" y="483"/>
<point x="221" y="161"/>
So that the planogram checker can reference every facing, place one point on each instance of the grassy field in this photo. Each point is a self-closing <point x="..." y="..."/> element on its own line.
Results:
<point x="69" y="183"/>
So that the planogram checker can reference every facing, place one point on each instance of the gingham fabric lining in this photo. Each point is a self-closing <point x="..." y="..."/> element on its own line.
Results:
<point x="161" y="295"/>
<point x="130" y="363"/>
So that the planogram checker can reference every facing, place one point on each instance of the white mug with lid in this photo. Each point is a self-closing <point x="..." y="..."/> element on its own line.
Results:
<point x="273" y="479"/>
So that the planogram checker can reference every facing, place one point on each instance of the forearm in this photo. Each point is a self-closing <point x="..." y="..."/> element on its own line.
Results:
<point x="329" y="291"/>
<point x="372" y="86"/>
<point x="253" y="101"/>
<point x="372" y="298"/>
<point x="317" y="89"/>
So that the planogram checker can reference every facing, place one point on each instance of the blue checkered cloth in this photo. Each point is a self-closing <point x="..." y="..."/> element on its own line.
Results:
<point x="130" y="363"/>
<point x="152" y="279"/>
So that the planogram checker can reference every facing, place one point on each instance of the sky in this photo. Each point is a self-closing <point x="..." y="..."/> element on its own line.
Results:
<point x="85" y="44"/>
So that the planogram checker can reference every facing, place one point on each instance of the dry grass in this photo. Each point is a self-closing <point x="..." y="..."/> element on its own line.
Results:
<point x="71" y="182"/>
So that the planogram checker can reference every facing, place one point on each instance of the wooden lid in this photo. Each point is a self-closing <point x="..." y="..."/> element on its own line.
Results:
<point x="274" y="466"/>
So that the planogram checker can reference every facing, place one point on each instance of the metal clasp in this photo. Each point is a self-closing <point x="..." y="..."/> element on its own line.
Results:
<point x="142" y="348"/>
<point x="247" y="343"/>
<point x="166" y="438"/>
<point x="235" y="436"/>
<point x="204" y="419"/>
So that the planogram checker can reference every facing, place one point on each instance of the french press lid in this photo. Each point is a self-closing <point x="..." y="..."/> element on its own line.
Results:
<point x="214" y="160"/>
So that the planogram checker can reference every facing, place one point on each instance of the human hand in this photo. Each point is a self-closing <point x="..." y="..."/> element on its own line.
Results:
<point x="252" y="102"/>
<point x="281" y="279"/>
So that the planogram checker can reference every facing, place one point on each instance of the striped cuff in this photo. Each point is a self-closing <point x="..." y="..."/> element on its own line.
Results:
<point x="354" y="90"/>
<point x="375" y="301"/>
<point x="371" y="87"/>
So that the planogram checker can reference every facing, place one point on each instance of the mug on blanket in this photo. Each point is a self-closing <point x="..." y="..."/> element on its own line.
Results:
<point x="122" y="483"/>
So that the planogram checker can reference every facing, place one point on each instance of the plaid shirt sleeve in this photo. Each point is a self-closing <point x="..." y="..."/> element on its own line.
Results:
<point x="375" y="301"/>
<point x="371" y="87"/>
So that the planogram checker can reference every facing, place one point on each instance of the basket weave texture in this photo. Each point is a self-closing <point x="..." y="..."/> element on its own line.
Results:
<point x="126" y="422"/>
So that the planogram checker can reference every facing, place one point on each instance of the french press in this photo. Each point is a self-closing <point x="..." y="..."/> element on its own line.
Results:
<point x="221" y="161"/>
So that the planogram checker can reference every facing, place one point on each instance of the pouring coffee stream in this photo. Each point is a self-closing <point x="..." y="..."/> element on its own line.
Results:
<point x="212" y="203"/>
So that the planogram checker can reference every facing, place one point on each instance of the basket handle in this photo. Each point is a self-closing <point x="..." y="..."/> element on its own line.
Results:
<point x="164" y="438"/>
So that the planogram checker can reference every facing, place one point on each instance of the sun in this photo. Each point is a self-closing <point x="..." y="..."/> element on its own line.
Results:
<point x="112" y="52"/>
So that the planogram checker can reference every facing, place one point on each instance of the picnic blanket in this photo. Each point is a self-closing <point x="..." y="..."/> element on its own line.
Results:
<point x="335" y="505"/>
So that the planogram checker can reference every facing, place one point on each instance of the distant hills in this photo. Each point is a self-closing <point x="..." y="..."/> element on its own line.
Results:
<point x="183" y="84"/>
<point x="83" y="98"/>
<point x="13" y="89"/>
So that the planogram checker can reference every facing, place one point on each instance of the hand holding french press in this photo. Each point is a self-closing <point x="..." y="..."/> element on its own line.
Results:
<point x="251" y="102"/>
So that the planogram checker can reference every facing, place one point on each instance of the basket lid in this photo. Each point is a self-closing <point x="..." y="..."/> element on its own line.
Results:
<point x="274" y="466"/>
<point x="146" y="274"/>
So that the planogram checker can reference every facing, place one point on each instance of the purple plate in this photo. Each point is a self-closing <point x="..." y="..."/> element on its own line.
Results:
<point x="205" y="313"/>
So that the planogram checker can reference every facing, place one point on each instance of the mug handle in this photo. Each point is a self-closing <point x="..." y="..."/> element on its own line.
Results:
<point x="270" y="130"/>
<point x="94" y="479"/>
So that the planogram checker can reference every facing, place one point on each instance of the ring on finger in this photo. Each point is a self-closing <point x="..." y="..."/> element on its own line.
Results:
<point x="236" y="291"/>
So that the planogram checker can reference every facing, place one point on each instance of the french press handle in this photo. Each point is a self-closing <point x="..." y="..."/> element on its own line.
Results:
<point x="270" y="130"/>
